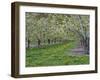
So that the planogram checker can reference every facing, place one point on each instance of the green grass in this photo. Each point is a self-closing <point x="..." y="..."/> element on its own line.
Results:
<point x="54" y="55"/>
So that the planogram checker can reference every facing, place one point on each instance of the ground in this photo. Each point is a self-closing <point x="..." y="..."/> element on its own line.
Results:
<point x="55" y="55"/>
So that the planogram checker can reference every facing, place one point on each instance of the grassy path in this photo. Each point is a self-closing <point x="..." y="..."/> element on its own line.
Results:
<point x="54" y="55"/>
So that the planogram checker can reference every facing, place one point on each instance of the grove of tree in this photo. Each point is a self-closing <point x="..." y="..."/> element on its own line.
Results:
<point x="47" y="29"/>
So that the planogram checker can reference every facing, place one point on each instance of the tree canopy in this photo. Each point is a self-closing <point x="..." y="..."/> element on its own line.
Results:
<point x="49" y="28"/>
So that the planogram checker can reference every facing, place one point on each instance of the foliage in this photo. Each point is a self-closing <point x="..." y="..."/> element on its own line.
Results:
<point x="48" y="28"/>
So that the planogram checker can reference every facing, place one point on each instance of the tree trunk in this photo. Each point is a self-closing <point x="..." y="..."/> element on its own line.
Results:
<point x="48" y="41"/>
<point x="55" y="40"/>
<point x="39" y="42"/>
<point x="85" y="45"/>
<point x="28" y="43"/>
